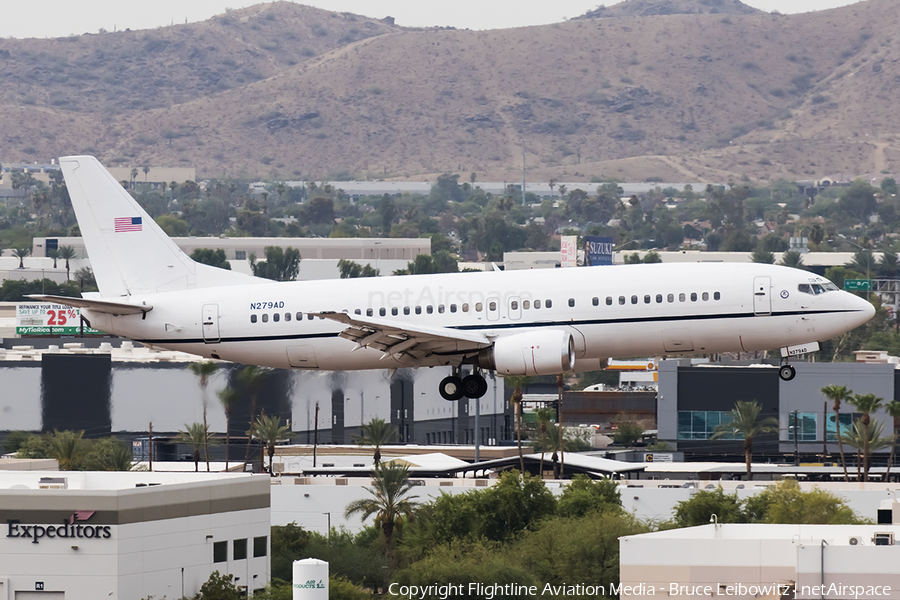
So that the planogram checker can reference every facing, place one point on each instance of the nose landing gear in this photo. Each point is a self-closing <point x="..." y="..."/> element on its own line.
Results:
<point x="786" y="371"/>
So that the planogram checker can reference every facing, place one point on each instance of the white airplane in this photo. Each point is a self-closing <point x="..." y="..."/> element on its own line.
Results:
<point x="534" y="322"/>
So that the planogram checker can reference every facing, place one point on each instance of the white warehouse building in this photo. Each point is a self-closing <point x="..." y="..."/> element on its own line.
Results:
<point x="87" y="535"/>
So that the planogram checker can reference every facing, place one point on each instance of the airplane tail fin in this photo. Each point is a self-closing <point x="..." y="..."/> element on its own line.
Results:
<point x="129" y="252"/>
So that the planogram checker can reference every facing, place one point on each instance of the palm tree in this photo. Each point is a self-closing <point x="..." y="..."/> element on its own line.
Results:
<point x="889" y="265"/>
<point x="544" y="417"/>
<point x="269" y="431"/>
<point x="376" y="433"/>
<point x="66" y="253"/>
<point x="229" y="397"/>
<point x="745" y="423"/>
<point x="203" y="370"/>
<point x="21" y="253"/>
<point x="866" y="404"/>
<point x="54" y="254"/>
<point x="195" y="435"/>
<point x="792" y="259"/>
<point x="893" y="410"/>
<point x="866" y="438"/>
<point x="518" y="382"/>
<point x="838" y="394"/>
<point x="69" y="448"/>
<point x="252" y="377"/>
<point x="390" y="502"/>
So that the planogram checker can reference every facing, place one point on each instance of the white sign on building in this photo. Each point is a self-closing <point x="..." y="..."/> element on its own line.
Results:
<point x="568" y="245"/>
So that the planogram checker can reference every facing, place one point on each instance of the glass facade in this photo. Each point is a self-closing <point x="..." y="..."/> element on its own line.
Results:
<point x="701" y="424"/>
<point x="805" y="426"/>
<point x="831" y="430"/>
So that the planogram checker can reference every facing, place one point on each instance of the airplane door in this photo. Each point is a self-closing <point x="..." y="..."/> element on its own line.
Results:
<point x="515" y="308"/>
<point x="493" y="309"/>
<point x="211" y="323"/>
<point x="762" y="300"/>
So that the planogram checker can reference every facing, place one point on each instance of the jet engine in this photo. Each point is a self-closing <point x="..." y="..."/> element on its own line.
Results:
<point x="532" y="353"/>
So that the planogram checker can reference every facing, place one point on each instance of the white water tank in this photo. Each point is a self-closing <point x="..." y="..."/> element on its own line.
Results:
<point x="310" y="579"/>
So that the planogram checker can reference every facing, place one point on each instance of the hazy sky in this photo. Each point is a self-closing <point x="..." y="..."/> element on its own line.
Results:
<point x="56" y="18"/>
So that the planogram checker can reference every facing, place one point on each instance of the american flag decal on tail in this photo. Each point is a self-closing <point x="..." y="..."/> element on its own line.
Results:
<point x="124" y="224"/>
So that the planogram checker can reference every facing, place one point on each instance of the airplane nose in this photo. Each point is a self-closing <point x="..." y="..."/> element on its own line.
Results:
<point x="859" y="310"/>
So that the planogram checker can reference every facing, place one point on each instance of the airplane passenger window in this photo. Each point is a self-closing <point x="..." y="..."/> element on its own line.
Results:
<point x="646" y="299"/>
<point x="526" y="304"/>
<point x="369" y="312"/>
<point x="453" y="308"/>
<point x="357" y="311"/>
<point x="395" y="311"/>
<point x="405" y="310"/>
<point x="621" y="299"/>
<point x="634" y="300"/>
<point x="465" y="307"/>
<point x="670" y="298"/>
<point x="382" y="311"/>
<point x="441" y="308"/>
<point x="276" y="317"/>
<point x="287" y="316"/>
<point x="609" y="300"/>
<point x="595" y="301"/>
<point x="429" y="309"/>
<point x="659" y="298"/>
<point x="265" y="318"/>
<point x="309" y="317"/>
<point x="492" y="306"/>
<point x="418" y="310"/>
<point x="478" y="307"/>
<point x="253" y="318"/>
<point x="571" y="302"/>
<point x="514" y="305"/>
<point x="299" y="316"/>
<point x="681" y="297"/>
<point x="693" y="296"/>
<point x="537" y="303"/>
<point x="549" y="303"/>
<point x="717" y="296"/>
<point x="705" y="296"/>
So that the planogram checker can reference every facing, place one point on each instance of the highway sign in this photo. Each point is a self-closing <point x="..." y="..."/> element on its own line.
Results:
<point x="857" y="285"/>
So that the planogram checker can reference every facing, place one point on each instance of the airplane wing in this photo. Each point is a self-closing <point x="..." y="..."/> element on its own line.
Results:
<point x="103" y="306"/>
<point x="398" y="339"/>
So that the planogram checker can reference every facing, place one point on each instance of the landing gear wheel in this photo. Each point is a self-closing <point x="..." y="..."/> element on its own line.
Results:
<point x="786" y="372"/>
<point x="451" y="388"/>
<point x="474" y="386"/>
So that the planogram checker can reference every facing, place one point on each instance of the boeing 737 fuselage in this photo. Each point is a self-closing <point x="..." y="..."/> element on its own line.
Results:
<point x="517" y="322"/>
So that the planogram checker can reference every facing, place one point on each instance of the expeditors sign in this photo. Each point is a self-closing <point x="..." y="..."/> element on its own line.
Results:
<point x="50" y="319"/>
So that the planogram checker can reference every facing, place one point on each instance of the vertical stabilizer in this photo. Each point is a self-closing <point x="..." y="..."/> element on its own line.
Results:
<point x="129" y="252"/>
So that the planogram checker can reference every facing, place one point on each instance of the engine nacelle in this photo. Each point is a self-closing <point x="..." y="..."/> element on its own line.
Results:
<point x="532" y="353"/>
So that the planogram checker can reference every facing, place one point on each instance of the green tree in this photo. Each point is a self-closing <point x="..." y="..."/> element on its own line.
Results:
<point x="700" y="507"/>
<point x="893" y="410"/>
<point x="109" y="454"/>
<point x="173" y="226"/>
<point x="220" y="587"/>
<point x="744" y="423"/>
<point x="280" y="264"/>
<point x="213" y="258"/>
<point x="33" y="446"/>
<point x="792" y="259"/>
<point x="628" y="433"/>
<point x="69" y="448"/>
<point x="376" y="434"/>
<point x="517" y="382"/>
<point x="838" y="394"/>
<point x="350" y="269"/>
<point x="391" y="502"/>
<point x="203" y="370"/>
<point x="54" y="254"/>
<point x="785" y="502"/>
<point x="21" y="253"/>
<point x="544" y="417"/>
<point x="583" y="496"/>
<point x="866" y="404"/>
<point x="269" y="430"/>
<point x="252" y="378"/>
<point x="195" y="435"/>
<point x="761" y="255"/>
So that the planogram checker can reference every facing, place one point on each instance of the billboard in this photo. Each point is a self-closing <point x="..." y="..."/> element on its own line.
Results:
<point x="568" y="245"/>
<point x="50" y="319"/>
<point x="597" y="250"/>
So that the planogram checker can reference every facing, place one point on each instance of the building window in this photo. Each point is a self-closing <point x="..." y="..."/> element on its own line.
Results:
<point x="240" y="255"/>
<point x="260" y="546"/>
<point x="220" y="552"/>
<point x="701" y="424"/>
<point x="846" y="425"/>
<point x="805" y="426"/>
<point x="240" y="549"/>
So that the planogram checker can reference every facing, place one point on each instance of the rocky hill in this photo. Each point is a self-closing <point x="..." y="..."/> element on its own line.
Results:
<point x="288" y="91"/>
<point x="647" y="8"/>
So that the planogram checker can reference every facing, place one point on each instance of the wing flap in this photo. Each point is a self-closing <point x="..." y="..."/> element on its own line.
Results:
<point x="103" y="306"/>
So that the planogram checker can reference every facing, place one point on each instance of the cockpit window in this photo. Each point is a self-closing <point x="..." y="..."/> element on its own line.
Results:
<point x="804" y="287"/>
<point x="815" y="288"/>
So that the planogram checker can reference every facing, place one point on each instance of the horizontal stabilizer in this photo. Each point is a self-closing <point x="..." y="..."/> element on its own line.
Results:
<point x="102" y="306"/>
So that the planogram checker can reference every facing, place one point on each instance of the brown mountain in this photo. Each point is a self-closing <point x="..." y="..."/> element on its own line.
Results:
<point x="647" y="8"/>
<point x="283" y="90"/>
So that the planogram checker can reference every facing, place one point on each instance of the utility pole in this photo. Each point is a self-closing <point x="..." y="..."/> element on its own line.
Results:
<point x="316" y="434"/>
<point x="523" y="171"/>
<point x="150" y="444"/>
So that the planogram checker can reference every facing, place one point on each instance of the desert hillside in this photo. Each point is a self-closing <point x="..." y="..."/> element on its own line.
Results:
<point x="282" y="90"/>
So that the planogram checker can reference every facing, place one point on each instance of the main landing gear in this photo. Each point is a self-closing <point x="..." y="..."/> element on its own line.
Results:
<point x="455" y="387"/>
<point x="786" y="371"/>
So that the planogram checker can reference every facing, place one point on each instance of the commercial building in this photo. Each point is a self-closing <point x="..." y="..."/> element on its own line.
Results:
<point x="87" y="535"/>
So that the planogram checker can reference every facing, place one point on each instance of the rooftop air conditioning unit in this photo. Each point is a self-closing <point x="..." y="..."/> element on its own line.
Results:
<point x="856" y="540"/>
<point x="883" y="539"/>
<point x="53" y="483"/>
